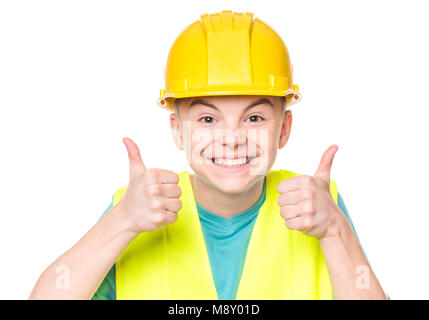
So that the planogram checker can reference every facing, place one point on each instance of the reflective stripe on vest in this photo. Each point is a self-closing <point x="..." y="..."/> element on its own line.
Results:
<point x="172" y="262"/>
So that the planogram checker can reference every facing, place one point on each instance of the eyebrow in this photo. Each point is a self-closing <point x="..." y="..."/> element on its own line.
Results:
<point x="257" y="102"/>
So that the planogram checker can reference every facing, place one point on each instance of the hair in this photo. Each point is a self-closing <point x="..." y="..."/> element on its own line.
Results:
<point x="177" y="101"/>
<point x="176" y="107"/>
<point x="284" y="104"/>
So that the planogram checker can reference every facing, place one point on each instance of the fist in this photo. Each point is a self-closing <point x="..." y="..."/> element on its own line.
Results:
<point x="306" y="202"/>
<point x="152" y="197"/>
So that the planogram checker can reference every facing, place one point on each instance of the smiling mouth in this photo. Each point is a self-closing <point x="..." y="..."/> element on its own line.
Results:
<point x="231" y="163"/>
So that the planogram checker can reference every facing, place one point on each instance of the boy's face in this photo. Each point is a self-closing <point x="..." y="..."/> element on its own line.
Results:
<point x="231" y="142"/>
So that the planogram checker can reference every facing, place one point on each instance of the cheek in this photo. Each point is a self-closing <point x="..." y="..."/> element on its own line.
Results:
<point x="275" y="137"/>
<point x="195" y="141"/>
<point x="274" y="141"/>
<point x="272" y="150"/>
<point x="268" y="140"/>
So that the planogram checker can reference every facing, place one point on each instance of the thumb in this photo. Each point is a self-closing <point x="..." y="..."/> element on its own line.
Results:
<point x="136" y="163"/>
<point x="325" y="165"/>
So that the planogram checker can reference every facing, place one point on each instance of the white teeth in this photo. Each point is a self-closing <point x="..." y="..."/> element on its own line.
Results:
<point x="230" y="162"/>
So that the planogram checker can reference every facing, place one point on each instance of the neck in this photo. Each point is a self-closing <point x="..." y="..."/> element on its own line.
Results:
<point x="224" y="204"/>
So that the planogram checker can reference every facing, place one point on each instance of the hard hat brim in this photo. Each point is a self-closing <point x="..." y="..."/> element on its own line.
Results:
<point x="167" y="100"/>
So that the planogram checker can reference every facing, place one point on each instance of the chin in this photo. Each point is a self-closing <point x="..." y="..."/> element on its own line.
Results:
<point x="233" y="184"/>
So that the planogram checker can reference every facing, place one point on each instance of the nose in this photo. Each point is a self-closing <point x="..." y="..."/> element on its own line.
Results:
<point x="233" y="142"/>
<point x="234" y="138"/>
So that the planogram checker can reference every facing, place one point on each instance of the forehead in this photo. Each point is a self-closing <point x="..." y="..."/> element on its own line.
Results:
<point x="239" y="102"/>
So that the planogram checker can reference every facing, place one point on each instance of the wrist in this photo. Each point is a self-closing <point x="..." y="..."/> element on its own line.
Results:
<point x="337" y="229"/>
<point x="121" y="221"/>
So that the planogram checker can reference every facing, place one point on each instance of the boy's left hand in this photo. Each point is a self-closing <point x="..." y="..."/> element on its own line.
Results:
<point x="306" y="202"/>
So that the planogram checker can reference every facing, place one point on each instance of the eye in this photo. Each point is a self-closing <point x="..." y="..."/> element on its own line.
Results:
<point x="207" y="119"/>
<point x="255" y="117"/>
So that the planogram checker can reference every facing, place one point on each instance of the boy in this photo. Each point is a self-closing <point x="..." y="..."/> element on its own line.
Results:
<point x="234" y="229"/>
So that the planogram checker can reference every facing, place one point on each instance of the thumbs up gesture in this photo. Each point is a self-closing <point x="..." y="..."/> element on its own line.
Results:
<point x="152" y="196"/>
<point x="306" y="202"/>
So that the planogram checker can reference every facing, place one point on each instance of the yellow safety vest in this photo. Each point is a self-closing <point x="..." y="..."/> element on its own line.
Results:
<point x="172" y="262"/>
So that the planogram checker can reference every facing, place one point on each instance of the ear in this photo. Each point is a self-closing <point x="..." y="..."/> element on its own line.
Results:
<point x="285" y="129"/>
<point x="176" y="131"/>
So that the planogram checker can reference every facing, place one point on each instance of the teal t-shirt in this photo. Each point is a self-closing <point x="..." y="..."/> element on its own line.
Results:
<point x="226" y="241"/>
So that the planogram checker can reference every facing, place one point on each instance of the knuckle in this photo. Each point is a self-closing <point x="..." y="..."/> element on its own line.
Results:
<point x="305" y="179"/>
<point x="307" y="194"/>
<point x="152" y="173"/>
<point x="308" y="208"/>
<point x="156" y="204"/>
<point x="159" y="218"/>
<point x="154" y="189"/>
<point x="307" y="223"/>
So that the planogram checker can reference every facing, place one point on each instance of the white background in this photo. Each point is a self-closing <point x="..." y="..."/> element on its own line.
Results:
<point x="78" y="76"/>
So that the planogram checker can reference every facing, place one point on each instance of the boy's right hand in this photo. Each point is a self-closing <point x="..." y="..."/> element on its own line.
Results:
<point x="152" y="197"/>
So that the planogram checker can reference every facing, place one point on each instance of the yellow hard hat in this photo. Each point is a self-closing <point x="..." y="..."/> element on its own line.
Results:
<point x="228" y="54"/>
